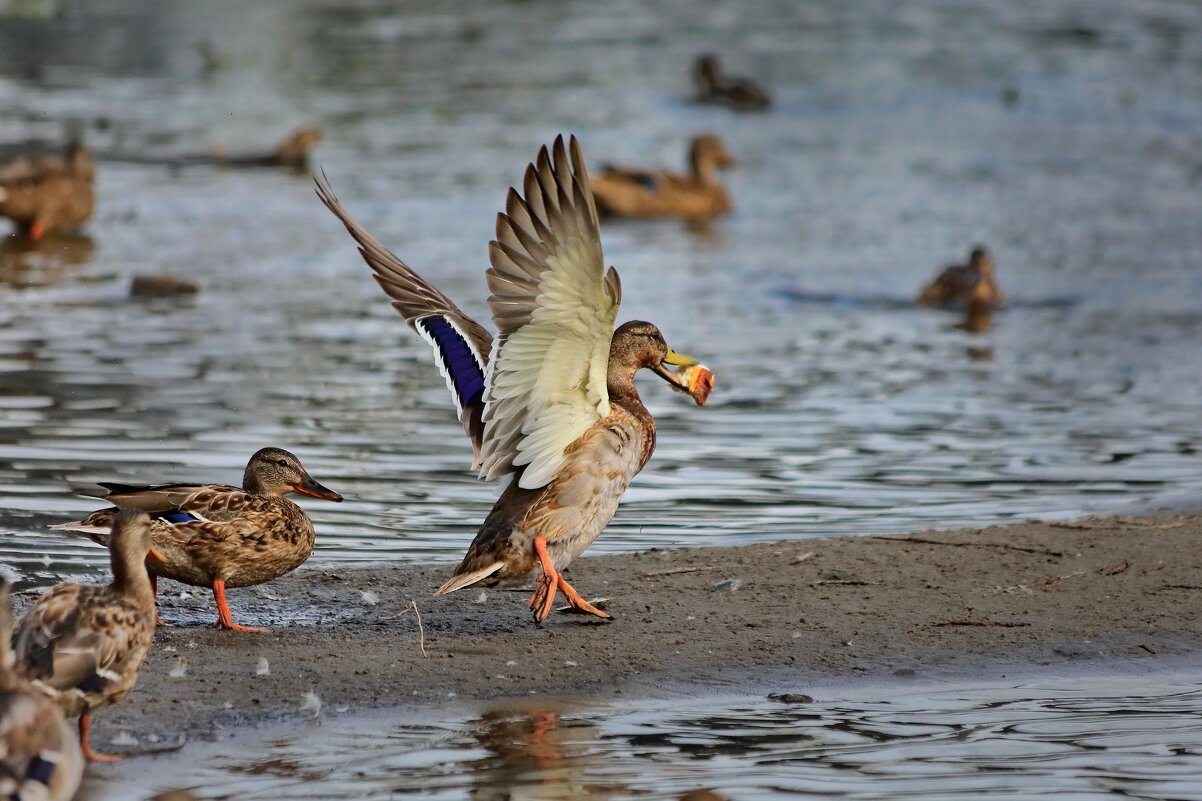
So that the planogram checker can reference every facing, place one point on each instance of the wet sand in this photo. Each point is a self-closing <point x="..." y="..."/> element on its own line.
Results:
<point x="979" y="602"/>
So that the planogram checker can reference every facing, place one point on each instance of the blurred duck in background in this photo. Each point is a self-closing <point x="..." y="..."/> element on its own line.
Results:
<point x="960" y="285"/>
<point x="39" y="756"/>
<point x="661" y="193"/>
<point x="43" y="194"/>
<point x="741" y="94"/>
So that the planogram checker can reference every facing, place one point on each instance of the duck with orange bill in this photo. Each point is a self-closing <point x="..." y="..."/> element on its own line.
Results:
<point x="219" y="536"/>
<point x="83" y="645"/>
<point x="551" y="402"/>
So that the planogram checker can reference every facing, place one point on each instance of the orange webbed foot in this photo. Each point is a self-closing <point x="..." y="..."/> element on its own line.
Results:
<point x="577" y="604"/>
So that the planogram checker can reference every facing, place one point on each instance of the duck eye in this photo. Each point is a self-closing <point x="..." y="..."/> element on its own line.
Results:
<point x="282" y="462"/>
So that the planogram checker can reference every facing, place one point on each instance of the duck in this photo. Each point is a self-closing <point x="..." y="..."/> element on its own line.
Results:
<point x="961" y="284"/>
<point x="83" y="645"/>
<point x="741" y="94"/>
<point x="218" y="536"/>
<point x="661" y="193"/>
<point x="292" y="152"/>
<point x="39" y="755"/>
<point x="44" y="194"/>
<point x="550" y="403"/>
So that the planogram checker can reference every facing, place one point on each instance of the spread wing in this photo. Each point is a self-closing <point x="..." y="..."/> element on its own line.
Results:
<point x="461" y="345"/>
<point x="554" y="305"/>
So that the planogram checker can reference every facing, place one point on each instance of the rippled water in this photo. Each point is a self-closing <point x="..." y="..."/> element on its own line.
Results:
<point x="1064" y="738"/>
<point x="840" y="409"/>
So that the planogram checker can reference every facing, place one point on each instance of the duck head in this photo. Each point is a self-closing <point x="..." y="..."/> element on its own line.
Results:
<point x="707" y="152"/>
<point x="130" y="548"/>
<point x="637" y="345"/>
<point x="981" y="261"/>
<point x="707" y="72"/>
<point x="275" y="471"/>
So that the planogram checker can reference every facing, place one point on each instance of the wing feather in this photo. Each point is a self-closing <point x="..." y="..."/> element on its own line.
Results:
<point x="554" y="305"/>
<point x="417" y="300"/>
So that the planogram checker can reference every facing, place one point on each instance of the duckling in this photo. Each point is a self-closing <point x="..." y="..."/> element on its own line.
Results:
<point x="218" y="536"/>
<point x="957" y="284"/>
<point x="660" y="193"/>
<point x="39" y="756"/>
<point x="741" y="94"/>
<point x="83" y="645"/>
<point x="45" y="194"/>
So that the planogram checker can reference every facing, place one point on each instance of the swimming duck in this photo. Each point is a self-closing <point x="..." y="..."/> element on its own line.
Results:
<point x="39" y="756"/>
<point x="218" y="536"/>
<point x="660" y="193"/>
<point x="959" y="284"/>
<point x="45" y="194"/>
<point x="741" y="94"/>
<point x="84" y="645"/>
<point x="552" y="400"/>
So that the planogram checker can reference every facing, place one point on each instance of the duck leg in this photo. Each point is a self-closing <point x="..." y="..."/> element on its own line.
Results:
<point x="224" y="619"/>
<point x="85" y="725"/>
<point x="544" y="593"/>
<point x="154" y="590"/>
<point x="578" y="604"/>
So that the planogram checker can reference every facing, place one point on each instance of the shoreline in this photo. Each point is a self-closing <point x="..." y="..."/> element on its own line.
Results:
<point x="985" y="603"/>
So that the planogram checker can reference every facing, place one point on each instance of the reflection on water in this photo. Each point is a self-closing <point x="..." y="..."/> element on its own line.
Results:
<point x="25" y="262"/>
<point x="1058" y="134"/>
<point x="1084" y="737"/>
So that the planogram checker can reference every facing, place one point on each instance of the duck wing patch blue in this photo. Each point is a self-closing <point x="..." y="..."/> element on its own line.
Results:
<point x="458" y="361"/>
<point x="178" y="517"/>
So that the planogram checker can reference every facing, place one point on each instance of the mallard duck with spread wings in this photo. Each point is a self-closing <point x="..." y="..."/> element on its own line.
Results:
<point x="39" y="756"/>
<point x="218" y="536"/>
<point x="83" y="645"/>
<point x="552" y="400"/>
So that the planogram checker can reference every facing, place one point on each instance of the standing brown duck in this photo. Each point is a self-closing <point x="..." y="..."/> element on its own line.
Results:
<point x="961" y="284"/>
<point x="39" y="756"/>
<point x="218" y="536"/>
<point x="552" y="401"/>
<point x="661" y="193"/>
<point x="741" y="94"/>
<point x="83" y="645"/>
<point x="45" y="194"/>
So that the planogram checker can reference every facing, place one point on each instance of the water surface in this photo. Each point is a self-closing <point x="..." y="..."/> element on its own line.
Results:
<point x="1123" y="736"/>
<point x="1062" y="135"/>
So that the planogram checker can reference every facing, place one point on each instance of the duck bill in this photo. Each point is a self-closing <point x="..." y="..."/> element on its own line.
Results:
<point x="314" y="490"/>
<point x="674" y="377"/>
<point x="690" y="376"/>
<point x="156" y="555"/>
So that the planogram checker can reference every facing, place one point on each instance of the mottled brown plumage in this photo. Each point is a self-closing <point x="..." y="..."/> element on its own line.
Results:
<point x="44" y="194"/>
<point x="741" y="94"/>
<point x="39" y="755"/>
<point x="219" y="536"/>
<point x="660" y="193"/>
<point x="559" y="408"/>
<point x="83" y="645"/>
<point x="960" y="285"/>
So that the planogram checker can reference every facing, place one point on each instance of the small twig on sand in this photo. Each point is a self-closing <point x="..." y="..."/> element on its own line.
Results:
<point x="1055" y="580"/>
<point x="805" y="557"/>
<point x="1001" y="624"/>
<point x="1002" y="545"/>
<point x="673" y="571"/>
<point x="1119" y="523"/>
<point x="421" y="630"/>
<point x="848" y="583"/>
<point x="1182" y="587"/>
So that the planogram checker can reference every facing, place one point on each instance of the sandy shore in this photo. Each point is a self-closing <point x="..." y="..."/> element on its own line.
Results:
<point x="978" y="601"/>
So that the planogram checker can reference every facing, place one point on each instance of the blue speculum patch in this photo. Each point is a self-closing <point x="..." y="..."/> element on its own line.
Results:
<point x="178" y="517"/>
<point x="466" y="376"/>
